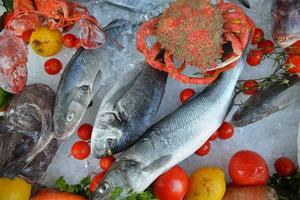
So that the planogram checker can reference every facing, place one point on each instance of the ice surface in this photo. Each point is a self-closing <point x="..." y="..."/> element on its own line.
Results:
<point x="271" y="137"/>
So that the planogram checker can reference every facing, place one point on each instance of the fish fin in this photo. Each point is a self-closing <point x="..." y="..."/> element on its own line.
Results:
<point x="116" y="24"/>
<point x="121" y="87"/>
<point x="158" y="163"/>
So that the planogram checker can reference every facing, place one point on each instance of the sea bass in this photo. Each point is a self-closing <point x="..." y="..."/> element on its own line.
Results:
<point x="265" y="102"/>
<point x="286" y="28"/>
<point x="26" y="128"/>
<point x="128" y="110"/>
<point x="171" y="140"/>
<point x="88" y="73"/>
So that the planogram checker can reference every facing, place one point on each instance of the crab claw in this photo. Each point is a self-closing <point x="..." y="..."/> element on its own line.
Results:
<point x="91" y="37"/>
<point x="13" y="59"/>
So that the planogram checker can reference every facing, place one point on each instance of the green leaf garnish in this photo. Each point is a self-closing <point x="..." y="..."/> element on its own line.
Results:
<point x="81" y="189"/>
<point x="8" y="4"/>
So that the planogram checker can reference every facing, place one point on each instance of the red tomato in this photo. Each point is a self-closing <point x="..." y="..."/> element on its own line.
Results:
<point x="214" y="136"/>
<point x="84" y="132"/>
<point x="294" y="49"/>
<point x="106" y="162"/>
<point x="7" y="16"/>
<point x="172" y="185"/>
<point x="26" y="35"/>
<point x="69" y="40"/>
<point x="81" y="150"/>
<point x="95" y="181"/>
<point x="267" y="46"/>
<point x="226" y="131"/>
<point x="258" y="36"/>
<point x="78" y="44"/>
<point x="254" y="57"/>
<point x="248" y="168"/>
<point x="250" y="87"/>
<point x="53" y="66"/>
<point x="292" y="64"/>
<point x="204" y="150"/>
<point x="285" y="167"/>
<point x="186" y="94"/>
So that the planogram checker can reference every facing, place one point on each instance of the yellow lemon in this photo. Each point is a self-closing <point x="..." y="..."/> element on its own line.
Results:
<point x="207" y="183"/>
<point x="46" y="42"/>
<point x="14" y="189"/>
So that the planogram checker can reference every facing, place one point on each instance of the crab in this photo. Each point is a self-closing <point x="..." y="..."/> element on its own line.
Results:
<point x="193" y="32"/>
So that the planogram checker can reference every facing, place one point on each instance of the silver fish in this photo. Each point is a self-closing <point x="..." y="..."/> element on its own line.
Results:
<point x="26" y="129"/>
<point x="88" y="73"/>
<point x="244" y="3"/>
<point x="286" y="27"/>
<point x="172" y="139"/>
<point x="272" y="99"/>
<point x="128" y="110"/>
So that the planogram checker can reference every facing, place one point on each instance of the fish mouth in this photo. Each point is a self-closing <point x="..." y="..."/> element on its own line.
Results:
<point x="103" y="152"/>
<point x="62" y="135"/>
<point x="286" y="41"/>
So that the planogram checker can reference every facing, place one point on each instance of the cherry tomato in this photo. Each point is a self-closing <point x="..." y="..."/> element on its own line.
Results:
<point x="84" y="132"/>
<point x="172" y="185"/>
<point x="250" y="87"/>
<point x="214" y="136"/>
<point x="267" y="46"/>
<point x="186" y="94"/>
<point x="204" y="150"/>
<point x="80" y="150"/>
<point x="284" y="167"/>
<point x="69" y="40"/>
<point x="106" y="162"/>
<point x="294" y="49"/>
<point x="248" y="168"/>
<point x="226" y="131"/>
<point x="254" y="57"/>
<point x="293" y="64"/>
<point x="7" y="16"/>
<point x="53" y="66"/>
<point x="95" y="181"/>
<point x="258" y="36"/>
<point x="26" y="36"/>
<point x="78" y="44"/>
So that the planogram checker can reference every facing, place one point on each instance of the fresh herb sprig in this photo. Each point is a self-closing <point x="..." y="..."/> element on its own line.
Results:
<point x="81" y="189"/>
<point x="288" y="188"/>
<point x="146" y="195"/>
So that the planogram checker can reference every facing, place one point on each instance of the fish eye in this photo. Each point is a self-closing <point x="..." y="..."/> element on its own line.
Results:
<point x="70" y="117"/>
<point x="110" y="143"/>
<point x="104" y="187"/>
<point x="84" y="89"/>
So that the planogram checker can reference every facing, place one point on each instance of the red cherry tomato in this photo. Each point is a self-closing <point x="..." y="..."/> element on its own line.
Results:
<point x="95" y="181"/>
<point x="285" y="167"/>
<point x="226" y="131"/>
<point x="204" y="150"/>
<point x="69" y="40"/>
<point x="81" y="150"/>
<point x="106" y="162"/>
<point x="214" y="136"/>
<point x="78" y="44"/>
<point x="53" y="66"/>
<point x="7" y="16"/>
<point x="294" y="49"/>
<point x="250" y="87"/>
<point x="172" y="185"/>
<point x="248" y="168"/>
<point x="267" y="46"/>
<point x="186" y="94"/>
<point x="84" y="132"/>
<point x="258" y="36"/>
<point x="26" y="35"/>
<point x="254" y="57"/>
<point x="292" y="64"/>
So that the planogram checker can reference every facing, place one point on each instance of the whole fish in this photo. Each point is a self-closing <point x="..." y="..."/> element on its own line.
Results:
<point x="26" y="128"/>
<point x="128" y="110"/>
<point x="88" y="73"/>
<point x="286" y="27"/>
<point x="265" y="102"/>
<point x="172" y="139"/>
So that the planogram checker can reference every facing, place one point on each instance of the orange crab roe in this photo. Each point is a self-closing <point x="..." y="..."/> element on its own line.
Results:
<point x="192" y="30"/>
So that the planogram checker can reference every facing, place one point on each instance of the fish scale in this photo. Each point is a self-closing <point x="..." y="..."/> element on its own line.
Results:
<point x="172" y="139"/>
